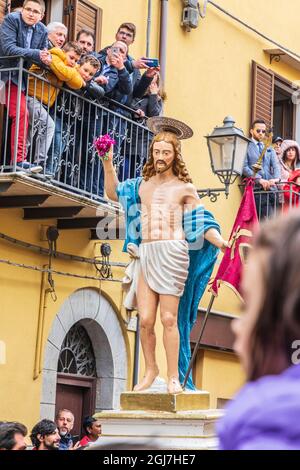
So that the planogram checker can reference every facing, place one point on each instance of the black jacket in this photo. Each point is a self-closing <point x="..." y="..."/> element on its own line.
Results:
<point x="138" y="83"/>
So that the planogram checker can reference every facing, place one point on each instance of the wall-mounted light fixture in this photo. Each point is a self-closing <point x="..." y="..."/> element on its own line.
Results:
<point x="227" y="147"/>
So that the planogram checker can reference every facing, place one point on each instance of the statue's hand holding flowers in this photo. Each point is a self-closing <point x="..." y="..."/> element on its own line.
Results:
<point x="103" y="145"/>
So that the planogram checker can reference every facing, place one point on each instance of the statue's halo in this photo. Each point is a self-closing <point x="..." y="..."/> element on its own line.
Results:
<point x="160" y="124"/>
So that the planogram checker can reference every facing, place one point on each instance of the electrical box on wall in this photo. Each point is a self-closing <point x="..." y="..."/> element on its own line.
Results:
<point x="190" y="18"/>
<point x="190" y="3"/>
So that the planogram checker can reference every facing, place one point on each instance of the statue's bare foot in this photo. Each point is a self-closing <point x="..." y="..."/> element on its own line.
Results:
<point x="147" y="381"/>
<point x="174" y="385"/>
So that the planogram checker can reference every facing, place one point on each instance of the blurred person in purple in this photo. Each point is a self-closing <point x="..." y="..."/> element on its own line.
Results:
<point x="265" y="414"/>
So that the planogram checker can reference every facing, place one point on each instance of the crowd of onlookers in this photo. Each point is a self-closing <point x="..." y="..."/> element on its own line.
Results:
<point x="46" y="113"/>
<point x="279" y="172"/>
<point x="50" y="435"/>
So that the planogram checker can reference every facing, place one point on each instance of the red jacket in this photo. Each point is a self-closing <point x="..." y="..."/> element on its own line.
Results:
<point x="292" y="191"/>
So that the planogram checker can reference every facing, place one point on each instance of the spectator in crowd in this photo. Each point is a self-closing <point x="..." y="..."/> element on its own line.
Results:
<point x="22" y="34"/>
<point x="126" y="33"/>
<point x="292" y="190"/>
<point x="148" y="106"/>
<point x="42" y="97"/>
<point x="12" y="436"/>
<point x="114" y="76"/>
<point x="91" y="178"/>
<point x="92" y="429"/>
<point x="268" y="176"/>
<point x="151" y="103"/>
<point x="277" y="141"/>
<point x="76" y="118"/>
<point x="290" y="158"/>
<point x="57" y="34"/>
<point x="45" y="436"/>
<point x="86" y="39"/>
<point x="265" y="415"/>
<point x="118" y="87"/>
<point x="65" y="423"/>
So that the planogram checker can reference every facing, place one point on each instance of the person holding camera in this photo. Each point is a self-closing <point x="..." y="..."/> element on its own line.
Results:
<point x="149" y="105"/>
<point x="126" y="34"/>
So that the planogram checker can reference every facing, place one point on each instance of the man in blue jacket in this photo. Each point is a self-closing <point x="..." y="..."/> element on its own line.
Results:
<point x="22" y="35"/>
<point x="268" y="176"/>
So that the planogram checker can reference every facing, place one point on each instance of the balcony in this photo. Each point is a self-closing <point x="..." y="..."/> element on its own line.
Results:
<point x="273" y="203"/>
<point x="59" y="138"/>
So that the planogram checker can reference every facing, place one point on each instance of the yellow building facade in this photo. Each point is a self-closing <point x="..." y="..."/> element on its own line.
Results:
<point x="209" y="75"/>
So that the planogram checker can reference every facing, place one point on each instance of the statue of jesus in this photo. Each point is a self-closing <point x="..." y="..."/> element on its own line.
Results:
<point x="158" y="203"/>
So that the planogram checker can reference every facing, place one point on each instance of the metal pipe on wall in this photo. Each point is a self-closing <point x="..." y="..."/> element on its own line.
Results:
<point x="40" y="327"/>
<point x="148" y="29"/>
<point x="163" y="39"/>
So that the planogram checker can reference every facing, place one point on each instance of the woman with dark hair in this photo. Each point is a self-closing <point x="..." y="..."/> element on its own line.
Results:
<point x="92" y="428"/>
<point x="266" y="412"/>
<point x="290" y="158"/>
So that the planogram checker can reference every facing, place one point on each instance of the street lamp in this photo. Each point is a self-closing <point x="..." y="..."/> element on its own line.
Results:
<point x="227" y="147"/>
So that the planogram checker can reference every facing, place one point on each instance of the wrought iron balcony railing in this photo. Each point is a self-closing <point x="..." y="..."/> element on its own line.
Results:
<point x="284" y="197"/>
<point x="58" y="135"/>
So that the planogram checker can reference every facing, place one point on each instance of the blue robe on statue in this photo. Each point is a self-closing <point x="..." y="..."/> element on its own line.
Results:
<point x="203" y="256"/>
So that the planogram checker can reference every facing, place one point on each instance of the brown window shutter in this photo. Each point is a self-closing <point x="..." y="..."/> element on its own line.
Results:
<point x="82" y="14"/>
<point x="262" y="94"/>
<point x="4" y="9"/>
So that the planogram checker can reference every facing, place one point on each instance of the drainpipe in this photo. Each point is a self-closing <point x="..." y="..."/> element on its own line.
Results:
<point x="40" y="327"/>
<point x="163" y="39"/>
<point x="148" y="29"/>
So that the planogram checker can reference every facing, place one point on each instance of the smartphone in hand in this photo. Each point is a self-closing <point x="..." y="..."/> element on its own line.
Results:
<point x="151" y="62"/>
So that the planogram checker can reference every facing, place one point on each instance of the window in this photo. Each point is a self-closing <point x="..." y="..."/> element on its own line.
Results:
<point x="77" y="354"/>
<point x="82" y="14"/>
<point x="272" y="101"/>
<point x="262" y="94"/>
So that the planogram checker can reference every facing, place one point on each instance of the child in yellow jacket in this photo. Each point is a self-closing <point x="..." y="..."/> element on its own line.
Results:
<point x="42" y="92"/>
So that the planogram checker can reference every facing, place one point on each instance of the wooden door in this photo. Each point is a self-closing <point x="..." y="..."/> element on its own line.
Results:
<point x="71" y="398"/>
<point x="77" y="394"/>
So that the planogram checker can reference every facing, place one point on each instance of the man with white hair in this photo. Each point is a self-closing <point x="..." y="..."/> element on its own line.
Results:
<point x="57" y="34"/>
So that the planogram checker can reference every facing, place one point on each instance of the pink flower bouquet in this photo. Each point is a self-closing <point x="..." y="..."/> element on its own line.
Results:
<point x="103" y="144"/>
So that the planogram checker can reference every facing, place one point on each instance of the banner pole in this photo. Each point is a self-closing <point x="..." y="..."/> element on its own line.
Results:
<point x="212" y="299"/>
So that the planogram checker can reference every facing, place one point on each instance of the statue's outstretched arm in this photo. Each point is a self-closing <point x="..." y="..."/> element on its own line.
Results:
<point x="110" y="177"/>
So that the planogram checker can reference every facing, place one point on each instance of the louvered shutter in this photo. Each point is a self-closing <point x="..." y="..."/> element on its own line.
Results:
<point x="82" y="14"/>
<point x="262" y="94"/>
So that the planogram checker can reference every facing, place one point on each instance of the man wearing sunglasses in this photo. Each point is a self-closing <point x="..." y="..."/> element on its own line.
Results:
<point x="268" y="176"/>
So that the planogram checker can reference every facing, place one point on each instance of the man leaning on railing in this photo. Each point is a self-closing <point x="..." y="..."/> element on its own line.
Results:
<point x="266" y="178"/>
<point x="22" y="34"/>
<point x="62" y="70"/>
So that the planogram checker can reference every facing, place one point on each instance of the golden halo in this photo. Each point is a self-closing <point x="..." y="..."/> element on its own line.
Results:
<point x="159" y="124"/>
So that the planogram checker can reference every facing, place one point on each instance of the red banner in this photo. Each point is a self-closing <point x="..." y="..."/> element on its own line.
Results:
<point x="240" y="241"/>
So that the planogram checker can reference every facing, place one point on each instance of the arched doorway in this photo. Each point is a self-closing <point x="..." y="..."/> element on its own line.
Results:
<point x="91" y="310"/>
<point x="76" y="376"/>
